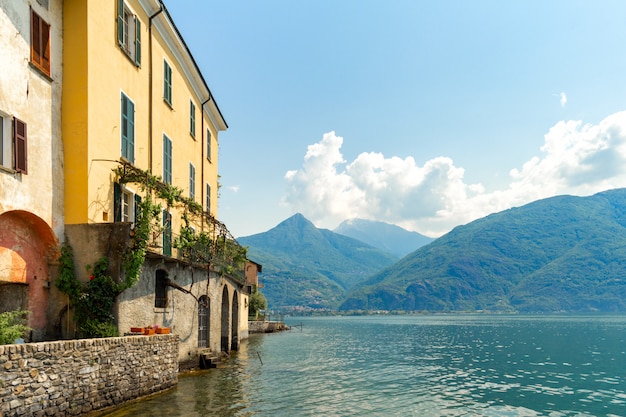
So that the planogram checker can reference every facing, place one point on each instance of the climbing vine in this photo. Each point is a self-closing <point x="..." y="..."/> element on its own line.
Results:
<point x="92" y="301"/>
<point x="215" y="246"/>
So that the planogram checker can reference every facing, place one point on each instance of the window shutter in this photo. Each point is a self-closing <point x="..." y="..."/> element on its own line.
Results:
<point x="117" y="202"/>
<point x="137" y="41"/>
<point x="45" y="46"/>
<point x="137" y="207"/>
<point x="128" y="129"/>
<point x="120" y="22"/>
<point x="19" y="140"/>
<point x="35" y="38"/>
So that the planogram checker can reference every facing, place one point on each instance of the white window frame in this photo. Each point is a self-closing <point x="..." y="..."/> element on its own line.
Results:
<point x="6" y="141"/>
<point x="130" y="41"/>
<point x="127" y="208"/>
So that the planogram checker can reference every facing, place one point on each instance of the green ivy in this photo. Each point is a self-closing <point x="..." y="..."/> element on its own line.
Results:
<point x="92" y="301"/>
<point x="67" y="282"/>
<point x="133" y="258"/>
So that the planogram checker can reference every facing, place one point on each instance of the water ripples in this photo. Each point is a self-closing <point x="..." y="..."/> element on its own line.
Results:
<point x="417" y="366"/>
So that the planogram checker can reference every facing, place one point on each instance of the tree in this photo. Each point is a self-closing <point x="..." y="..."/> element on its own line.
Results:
<point x="257" y="302"/>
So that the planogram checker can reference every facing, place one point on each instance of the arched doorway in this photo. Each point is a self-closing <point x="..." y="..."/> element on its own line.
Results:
<point x="225" y="320"/>
<point x="204" y="322"/>
<point x="234" y="339"/>
<point x="27" y="246"/>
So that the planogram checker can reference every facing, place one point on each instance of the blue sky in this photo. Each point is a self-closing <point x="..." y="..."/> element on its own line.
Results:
<point x="425" y="114"/>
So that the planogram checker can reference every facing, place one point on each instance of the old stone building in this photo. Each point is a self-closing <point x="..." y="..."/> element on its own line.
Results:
<point x="31" y="165"/>
<point x="108" y="145"/>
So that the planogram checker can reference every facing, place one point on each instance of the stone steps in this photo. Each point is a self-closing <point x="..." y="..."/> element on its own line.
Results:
<point x="208" y="359"/>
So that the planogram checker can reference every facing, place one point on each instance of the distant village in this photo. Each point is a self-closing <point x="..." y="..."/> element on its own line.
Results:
<point x="109" y="183"/>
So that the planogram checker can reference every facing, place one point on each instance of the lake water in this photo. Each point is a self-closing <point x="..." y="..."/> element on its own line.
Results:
<point x="437" y="365"/>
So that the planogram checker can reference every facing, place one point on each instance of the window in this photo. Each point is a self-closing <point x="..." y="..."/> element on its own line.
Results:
<point x="125" y="204"/>
<point x="167" y="159"/>
<point x="208" y="145"/>
<point x="160" y="289"/>
<point x="167" y="233"/>
<point x="128" y="129"/>
<point x="13" y="144"/>
<point x="129" y="32"/>
<point x="192" y="118"/>
<point x="208" y="197"/>
<point x="5" y="142"/>
<point x="39" y="43"/>
<point x="192" y="181"/>
<point x="167" y="83"/>
<point x="19" y="141"/>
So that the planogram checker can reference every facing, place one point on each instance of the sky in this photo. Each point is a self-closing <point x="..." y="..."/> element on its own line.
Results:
<point x="424" y="114"/>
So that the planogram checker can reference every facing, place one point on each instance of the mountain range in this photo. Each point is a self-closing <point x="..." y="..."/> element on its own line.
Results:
<point x="561" y="254"/>
<point x="384" y="236"/>
<point x="306" y="267"/>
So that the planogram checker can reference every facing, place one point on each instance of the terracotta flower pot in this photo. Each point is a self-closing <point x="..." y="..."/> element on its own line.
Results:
<point x="148" y="332"/>
<point x="136" y="329"/>
<point x="163" y="330"/>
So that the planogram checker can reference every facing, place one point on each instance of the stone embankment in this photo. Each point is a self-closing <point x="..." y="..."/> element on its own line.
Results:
<point x="266" y="326"/>
<point x="74" y="377"/>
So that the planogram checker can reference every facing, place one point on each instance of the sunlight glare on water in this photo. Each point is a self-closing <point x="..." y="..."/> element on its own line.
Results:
<point x="457" y="365"/>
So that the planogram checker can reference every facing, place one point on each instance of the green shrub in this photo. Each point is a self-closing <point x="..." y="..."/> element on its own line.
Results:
<point x="256" y="303"/>
<point x="12" y="326"/>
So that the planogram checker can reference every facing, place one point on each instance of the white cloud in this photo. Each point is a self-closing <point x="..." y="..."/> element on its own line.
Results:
<point x="563" y="99"/>
<point x="575" y="159"/>
<point x="234" y="188"/>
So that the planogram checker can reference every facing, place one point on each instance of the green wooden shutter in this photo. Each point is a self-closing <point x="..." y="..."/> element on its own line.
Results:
<point x="137" y="207"/>
<point x="117" y="202"/>
<point x="120" y="22"/>
<point x="137" y="41"/>
<point x="128" y="129"/>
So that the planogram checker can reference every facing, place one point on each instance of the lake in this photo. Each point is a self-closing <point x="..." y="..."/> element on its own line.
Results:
<point x="422" y="365"/>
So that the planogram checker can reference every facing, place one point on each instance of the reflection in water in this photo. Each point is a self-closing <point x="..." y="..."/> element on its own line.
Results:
<point x="414" y="366"/>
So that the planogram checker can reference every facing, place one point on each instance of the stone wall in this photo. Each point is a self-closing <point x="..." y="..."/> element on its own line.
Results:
<point x="73" y="377"/>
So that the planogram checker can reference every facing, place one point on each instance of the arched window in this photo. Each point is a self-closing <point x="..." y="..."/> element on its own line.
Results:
<point x="160" y="289"/>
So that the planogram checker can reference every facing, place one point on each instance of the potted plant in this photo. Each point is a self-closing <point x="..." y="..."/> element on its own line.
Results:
<point x="162" y="330"/>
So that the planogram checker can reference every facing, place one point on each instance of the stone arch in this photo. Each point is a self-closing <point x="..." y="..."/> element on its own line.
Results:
<point x="27" y="247"/>
<point x="204" y="321"/>
<point x="225" y="320"/>
<point x="234" y="336"/>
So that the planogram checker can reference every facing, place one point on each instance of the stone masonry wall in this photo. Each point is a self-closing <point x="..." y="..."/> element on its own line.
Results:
<point x="73" y="377"/>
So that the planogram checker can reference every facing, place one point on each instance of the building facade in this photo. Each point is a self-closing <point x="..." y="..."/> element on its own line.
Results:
<point x="141" y="125"/>
<point x="31" y="152"/>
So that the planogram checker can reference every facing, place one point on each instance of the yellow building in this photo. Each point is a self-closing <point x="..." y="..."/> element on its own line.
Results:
<point x="140" y="123"/>
<point x="133" y="93"/>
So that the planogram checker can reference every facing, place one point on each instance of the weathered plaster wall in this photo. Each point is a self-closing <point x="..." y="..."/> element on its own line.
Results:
<point x="136" y="306"/>
<point x="75" y="377"/>
<point x="35" y="99"/>
<point x="31" y="204"/>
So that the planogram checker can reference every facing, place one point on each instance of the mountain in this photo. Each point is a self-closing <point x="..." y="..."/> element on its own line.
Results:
<point x="384" y="236"/>
<point x="307" y="267"/>
<point x="559" y="254"/>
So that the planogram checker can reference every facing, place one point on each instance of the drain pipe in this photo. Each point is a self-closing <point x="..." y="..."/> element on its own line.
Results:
<point x="150" y="85"/>
<point x="204" y="147"/>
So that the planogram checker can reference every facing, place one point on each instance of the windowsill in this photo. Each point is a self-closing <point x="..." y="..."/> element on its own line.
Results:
<point x="8" y="170"/>
<point x="41" y="71"/>
<point x="128" y="55"/>
<point x="123" y="159"/>
<point x="168" y="104"/>
<point x="161" y="310"/>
